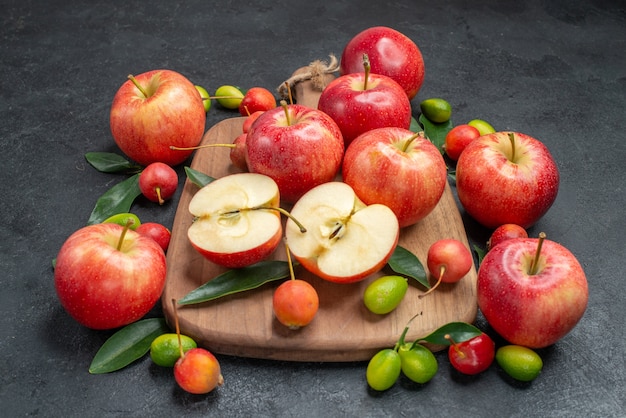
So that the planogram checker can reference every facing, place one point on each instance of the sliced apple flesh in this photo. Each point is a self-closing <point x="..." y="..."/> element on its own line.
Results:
<point x="236" y="223"/>
<point x="346" y="240"/>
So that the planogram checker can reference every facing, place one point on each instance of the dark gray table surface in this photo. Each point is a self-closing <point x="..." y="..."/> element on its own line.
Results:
<point x="553" y="69"/>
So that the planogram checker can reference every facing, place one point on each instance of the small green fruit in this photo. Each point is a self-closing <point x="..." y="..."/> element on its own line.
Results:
<point x="483" y="127"/>
<point x="419" y="363"/>
<point x="229" y="96"/>
<point x="384" y="294"/>
<point x="206" y="101"/>
<point x="123" y="219"/>
<point x="165" y="350"/>
<point x="383" y="369"/>
<point x="521" y="363"/>
<point x="436" y="110"/>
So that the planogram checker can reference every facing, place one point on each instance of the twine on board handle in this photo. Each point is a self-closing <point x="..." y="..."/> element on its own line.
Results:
<point x="316" y="72"/>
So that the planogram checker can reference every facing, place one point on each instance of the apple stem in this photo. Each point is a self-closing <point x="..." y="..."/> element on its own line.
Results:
<point x="454" y="344"/>
<point x="442" y="270"/>
<point x="286" y="109"/>
<point x="120" y="242"/>
<point x="180" y="343"/>
<point x="289" y="92"/>
<point x="289" y="262"/>
<point x="534" y="266"/>
<point x="367" y="67"/>
<point x="139" y="86"/>
<point x="410" y="141"/>
<point x="172" y="147"/>
<point x="512" y="139"/>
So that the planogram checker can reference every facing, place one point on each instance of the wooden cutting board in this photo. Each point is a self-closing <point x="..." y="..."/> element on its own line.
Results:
<point x="343" y="329"/>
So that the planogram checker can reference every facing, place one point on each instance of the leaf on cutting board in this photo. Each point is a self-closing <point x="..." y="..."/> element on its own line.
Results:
<point x="109" y="162"/>
<point x="118" y="199"/>
<point x="436" y="132"/>
<point x="127" y="345"/>
<point x="458" y="331"/>
<point x="198" y="178"/>
<point x="238" y="280"/>
<point x="404" y="262"/>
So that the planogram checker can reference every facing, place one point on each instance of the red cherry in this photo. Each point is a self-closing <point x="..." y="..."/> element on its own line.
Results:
<point x="472" y="356"/>
<point x="158" y="182"/>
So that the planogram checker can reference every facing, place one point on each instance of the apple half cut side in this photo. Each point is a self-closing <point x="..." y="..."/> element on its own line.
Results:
<point x="346" y="240"/>
<point x="236" y="221"/>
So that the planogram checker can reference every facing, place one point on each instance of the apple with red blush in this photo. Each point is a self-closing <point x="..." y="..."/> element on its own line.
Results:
<point x="397" y="168"/>
<point x="391" y="53"/>
<point x="107" y="276"/>
<point x="362" y="101"/>
<point x="153" y="111"/>
<point x="532" y="291"/>
<point x="506" y="177"/>
<point x="297" y="146"/>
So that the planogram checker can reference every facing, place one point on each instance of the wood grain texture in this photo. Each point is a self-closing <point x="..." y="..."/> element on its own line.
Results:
<point x="343" y="329"/>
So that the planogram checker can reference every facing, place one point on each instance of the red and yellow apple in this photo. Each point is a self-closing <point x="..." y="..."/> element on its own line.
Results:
<point x="532" y="294"/>
<point x="391" y="53"/>
<point x="397" y="168"/>
<point x="236" y="219"/>
<point x="107" y="276"/>
<point x="156" y="110"/>
<point x="297" y="146"/>
<point x="506" y="177"/>
<point x="346" y="240"/>
<point x="362" y="101"/>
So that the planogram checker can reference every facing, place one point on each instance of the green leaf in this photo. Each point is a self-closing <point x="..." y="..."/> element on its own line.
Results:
<point x="458" y="331"/>
<point x="415" y="126"/>
<point x="404" y="262"/>
<point x="480" y="252"/>
<point x="436" y="132"/>
<point x="127" y="345"/>
<point x="198" y="178"/>
<point x="118" y="199"/>
<point x="237" y="280"/>
<point x="109" y="162"/>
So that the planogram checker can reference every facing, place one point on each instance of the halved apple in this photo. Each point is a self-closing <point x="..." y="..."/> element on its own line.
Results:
<point x="346" y="240"/>
<point x="237" y="222"/>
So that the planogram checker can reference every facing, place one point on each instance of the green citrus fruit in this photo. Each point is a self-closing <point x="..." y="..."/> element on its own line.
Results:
<point x="205" y="97"/>
<point x="419" y="363"/>
<point x="383" y="369"/>
<point x="436" y="110"/>
<point x="483" y="127"/>
<point x="384" y="294"/>
<point x="122" y="219"/>
<point x="165" y="350"/>
<point x="229" y="96"/>
<point x="519" y="362"/>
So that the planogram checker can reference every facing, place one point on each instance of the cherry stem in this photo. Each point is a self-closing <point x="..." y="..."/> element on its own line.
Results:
<point x="139" y="86"/>
<point x="289" y="263"/>
<point x="120" y="242"/>
<point x="286" y="109"/>
<point x="367" y="67"/>
<point x="180" y="343"/>
<point x="512" y="139"/>
<point x="534" y="266"/>
<point x="158" y="193"/>
<point x="172" y="147"/>
<point x="454" y="344"/>
<point x="410" y="141"/>
<point x="442" y="270"/>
